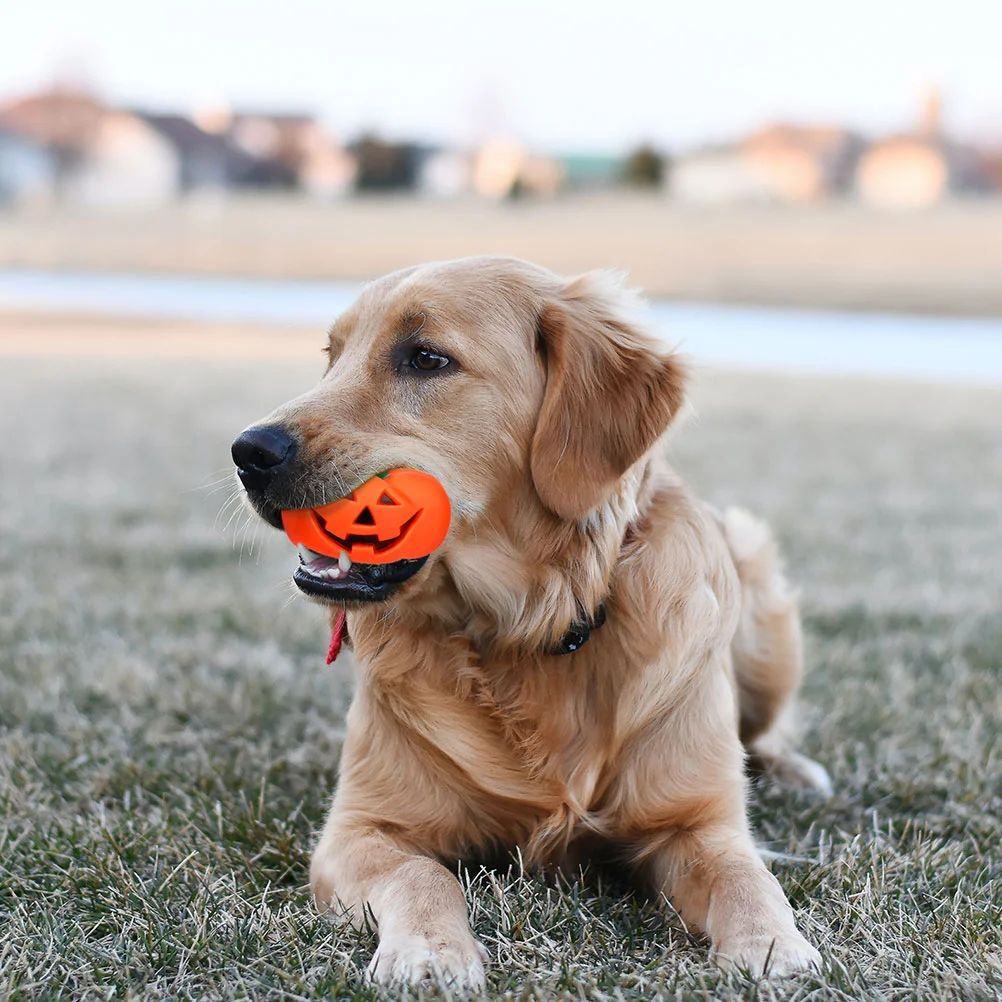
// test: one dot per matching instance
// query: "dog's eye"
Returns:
(425, 360)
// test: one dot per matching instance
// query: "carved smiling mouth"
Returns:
(343, 580)
(350, 542)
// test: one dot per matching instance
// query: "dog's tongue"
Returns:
(340, 628)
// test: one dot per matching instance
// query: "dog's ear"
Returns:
(611, 392)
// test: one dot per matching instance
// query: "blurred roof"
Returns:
(185, 135)
(278, 118)
(194, 143)
(66, 118)
(812, 138)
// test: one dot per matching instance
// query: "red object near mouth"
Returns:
(400, 515)
(339, 628)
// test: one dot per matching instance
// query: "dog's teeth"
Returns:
(344, 562)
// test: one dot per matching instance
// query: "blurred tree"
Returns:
(645, 167)
(385, 166)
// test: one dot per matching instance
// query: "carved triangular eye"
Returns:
(386, 499)
(365, 518)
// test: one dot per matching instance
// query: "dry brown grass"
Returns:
(947, 260)
(169, 734)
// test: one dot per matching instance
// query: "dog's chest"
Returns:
(559, 734)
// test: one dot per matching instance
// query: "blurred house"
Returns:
(590, 171)
(780, 163)
(917, 171)
(503, 168)
(298, 143)
(496, 168)
(446, 174)
(210, 161)
(105, 156)
(991, 165)
(542, 175)
(100, 155)
(62, 120)
(280, 137)
(125, 162)
(800, 163)
(27, 171)
(716, 176)
(140, 158)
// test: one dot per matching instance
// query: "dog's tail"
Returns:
(768, 647)
(768, 653)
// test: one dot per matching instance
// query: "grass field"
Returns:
(169, 733)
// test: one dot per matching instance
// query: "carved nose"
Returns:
(260, 452)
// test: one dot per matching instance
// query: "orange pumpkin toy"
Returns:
(400, 515)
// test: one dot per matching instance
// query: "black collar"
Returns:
(581, 629)
(577, 636)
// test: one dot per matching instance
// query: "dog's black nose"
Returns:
(260, 452)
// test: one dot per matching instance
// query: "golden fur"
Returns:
(464, 737)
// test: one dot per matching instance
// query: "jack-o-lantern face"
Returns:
(401, 515)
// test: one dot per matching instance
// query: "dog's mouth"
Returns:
(336, 580)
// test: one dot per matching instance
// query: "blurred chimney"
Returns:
(931, 122)
(215, 116)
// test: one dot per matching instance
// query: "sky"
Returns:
(560, 76)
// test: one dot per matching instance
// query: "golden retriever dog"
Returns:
(587, 660)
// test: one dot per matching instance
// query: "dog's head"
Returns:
(527, 396)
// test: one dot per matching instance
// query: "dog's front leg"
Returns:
(417, 903)
(720, 885)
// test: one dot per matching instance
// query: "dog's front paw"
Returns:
(409, 959)
(763, 955)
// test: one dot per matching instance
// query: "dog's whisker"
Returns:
(220, 476)
(241, 528)
(237, 510)
(221, 486)
(248, 535)
(223, 516)
(233, 501)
